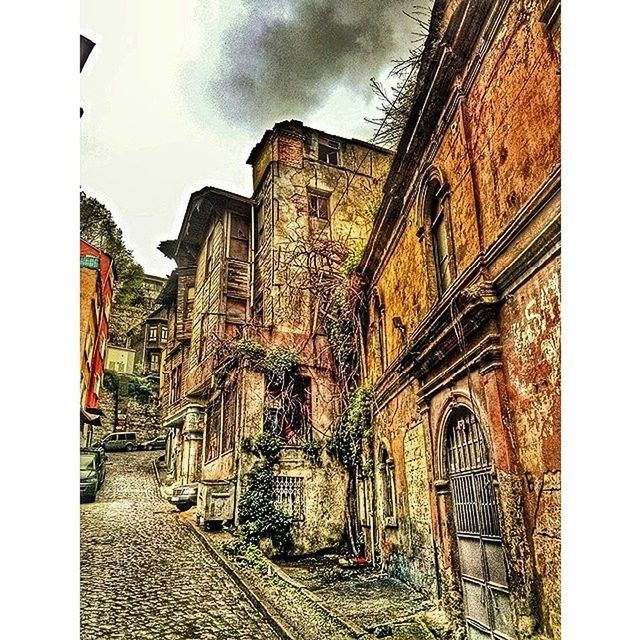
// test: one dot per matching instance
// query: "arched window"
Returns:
(435, 214)
(378, 328)
(387, 473)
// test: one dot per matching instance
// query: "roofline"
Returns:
(204, 192)
(287, 124)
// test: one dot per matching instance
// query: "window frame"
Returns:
(315, 211)
(335, 149)
(436, 216)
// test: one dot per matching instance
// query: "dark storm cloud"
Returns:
(284, 58)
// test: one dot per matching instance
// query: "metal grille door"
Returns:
(482, 561)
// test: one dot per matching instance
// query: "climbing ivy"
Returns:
(250, 348)
(352, 426)
(260, 517)
(280, 361)
(340, 330)
(312, 450)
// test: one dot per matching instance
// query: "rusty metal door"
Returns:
(482, 560)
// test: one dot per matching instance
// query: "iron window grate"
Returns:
(289, 496)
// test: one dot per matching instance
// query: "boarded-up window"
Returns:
(239, 240)
(236, 310)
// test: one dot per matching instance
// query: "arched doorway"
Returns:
(482, 561)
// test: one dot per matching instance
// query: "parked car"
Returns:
(158, 442)
(119, 441)
(184, 497)
(89, 479)
(101, 459)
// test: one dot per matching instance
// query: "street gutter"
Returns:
(279, 626)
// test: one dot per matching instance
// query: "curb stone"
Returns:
(351, 629)
(279, 626)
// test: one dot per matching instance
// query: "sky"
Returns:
(177, 92)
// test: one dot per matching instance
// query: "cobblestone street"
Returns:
(143, 575)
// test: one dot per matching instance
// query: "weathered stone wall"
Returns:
(406, 541)
(143, 418)
(530, 323)
(495, 151)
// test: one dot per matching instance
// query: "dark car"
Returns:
(158, 442)
(101, 459)
(184, 497)
(89, 477)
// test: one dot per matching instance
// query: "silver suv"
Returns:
(119, 441)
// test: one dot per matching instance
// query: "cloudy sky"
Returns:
(177, 92)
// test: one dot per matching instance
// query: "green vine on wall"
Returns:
(277, 362)
(353, 426)
(260, 516)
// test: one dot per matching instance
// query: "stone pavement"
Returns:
(142, 573)
(363, 597)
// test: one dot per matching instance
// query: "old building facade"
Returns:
(96, 292)
(148, 339)
(463, 281)
(249, 273)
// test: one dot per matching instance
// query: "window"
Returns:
(221, 425)
(239, 240)
(175, 390)
(163, 333)
(227, 437)
(212, 445)
(387, 481)
(288, 409)
(289, 496)
(443, 251)
(328, 151)
(188, 303)
(259, 225)
(318, 205)
(153, 332)
(154, 364)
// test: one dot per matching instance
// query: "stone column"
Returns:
(192, 431)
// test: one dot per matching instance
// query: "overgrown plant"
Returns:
(141, 389)
(312, 450)
(352, 427)
(279, 362)
(260, 516)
